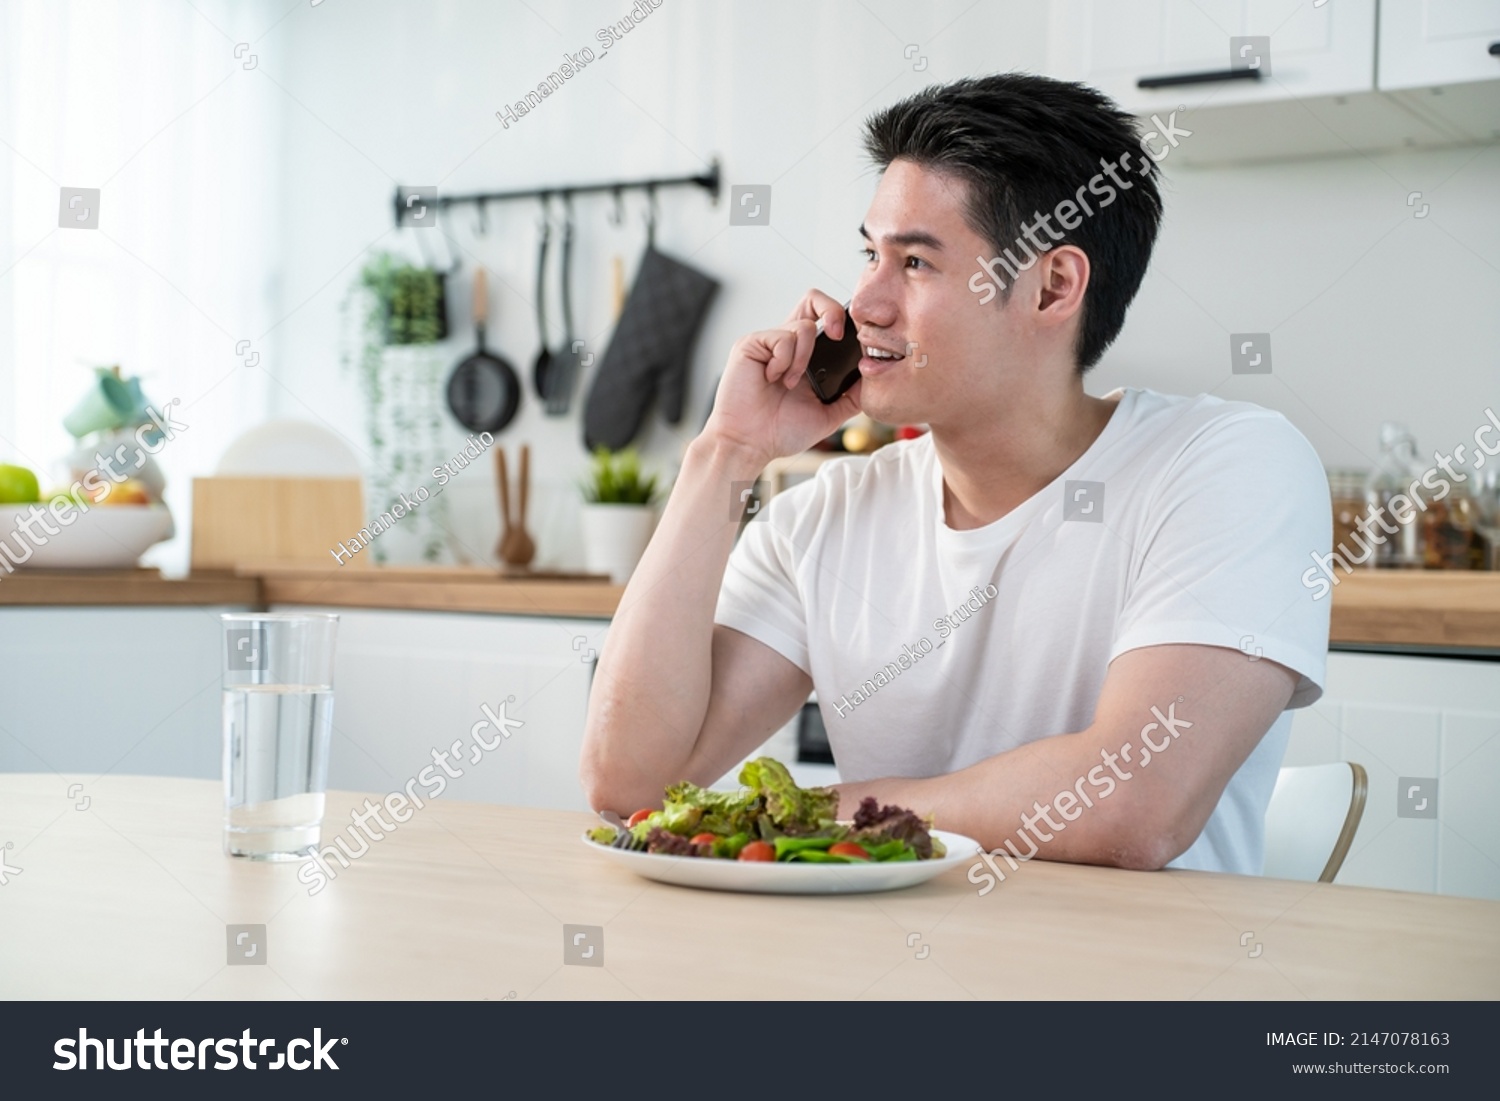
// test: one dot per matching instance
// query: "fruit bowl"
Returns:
(103, 537)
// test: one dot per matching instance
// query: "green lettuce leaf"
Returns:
(792, 809)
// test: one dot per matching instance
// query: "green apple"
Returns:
(18, 486)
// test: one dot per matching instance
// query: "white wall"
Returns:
(1373, 314)
(778, 91)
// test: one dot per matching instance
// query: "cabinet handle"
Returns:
(1211, 77)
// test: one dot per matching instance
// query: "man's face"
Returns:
(913, 298)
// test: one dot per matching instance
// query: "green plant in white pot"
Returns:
(619, 514)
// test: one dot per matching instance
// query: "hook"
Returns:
(546, 219)
(651, 216)
(481, 224)
(617, 217)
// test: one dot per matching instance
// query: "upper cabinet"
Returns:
(1154, 55)
(1264, 79)
(1441, 60)
(1427, 43)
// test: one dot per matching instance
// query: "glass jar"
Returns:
(1398, 539)
(1450, 536)
(1347, 488)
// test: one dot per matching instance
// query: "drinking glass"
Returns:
(278, 716)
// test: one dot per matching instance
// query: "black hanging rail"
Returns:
(709, 181)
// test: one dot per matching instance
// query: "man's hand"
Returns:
(674, 696)
(1155, 789)
(761, 406)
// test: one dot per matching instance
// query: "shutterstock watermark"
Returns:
(1070, 213)
(1403, 508)
(157, 1052)
(1068, 799)
(317, 872)
(66, 508)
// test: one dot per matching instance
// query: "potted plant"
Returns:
(619, 514)
(402, 316)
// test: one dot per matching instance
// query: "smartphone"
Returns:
(834, 364)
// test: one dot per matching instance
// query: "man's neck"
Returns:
(990, 468)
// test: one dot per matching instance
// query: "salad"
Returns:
(772, 819)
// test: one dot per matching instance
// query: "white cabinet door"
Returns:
(1427, 723)
(1114, 45)
(1436, 42)
(127, 691)
(408, 685)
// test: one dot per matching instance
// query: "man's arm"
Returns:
(674, 696)
(1139, 807)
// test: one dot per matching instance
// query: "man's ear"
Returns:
(1064, 277)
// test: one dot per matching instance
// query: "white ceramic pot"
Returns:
(615, 537)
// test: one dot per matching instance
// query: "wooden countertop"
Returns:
(1420, 609)
(439, 589)
(124, 587)
(130, 897)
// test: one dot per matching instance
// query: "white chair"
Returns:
(1310, 823)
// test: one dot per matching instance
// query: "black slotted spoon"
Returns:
(541, 368)
(565, 364)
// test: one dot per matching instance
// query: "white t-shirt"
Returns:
(931, 649)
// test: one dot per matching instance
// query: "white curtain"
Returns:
(147, 101)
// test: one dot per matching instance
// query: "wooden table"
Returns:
(130, 897)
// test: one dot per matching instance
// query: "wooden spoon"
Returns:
(503, 478)
(515, 547)
(523, 550)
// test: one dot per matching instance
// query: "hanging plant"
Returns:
(402, 315)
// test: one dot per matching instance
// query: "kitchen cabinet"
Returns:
(1409, 720)
(1115, 45)
(408, 684)
(1430, 42)
(136, 690)
(1330, 91)
(126, 690)
(1441, 60)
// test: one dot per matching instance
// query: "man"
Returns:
(1068, 625)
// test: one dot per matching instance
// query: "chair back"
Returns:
(1311, 820)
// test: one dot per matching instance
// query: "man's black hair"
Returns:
(1024, 144)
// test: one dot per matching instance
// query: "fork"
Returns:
(624, 839)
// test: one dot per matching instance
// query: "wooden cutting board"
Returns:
(285, 520)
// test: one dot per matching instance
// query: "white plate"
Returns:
(289, 448)
(795, 878)
(104, 537)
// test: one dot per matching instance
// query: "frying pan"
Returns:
(483, 391)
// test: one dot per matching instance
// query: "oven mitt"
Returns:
(650, 353)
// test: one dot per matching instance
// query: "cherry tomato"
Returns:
(639, 816)
(849, 848)
(704, 839)
(758, 850)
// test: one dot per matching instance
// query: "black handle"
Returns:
(1213, 77)
(541, 279)
(1495, 49)
(567, 276)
